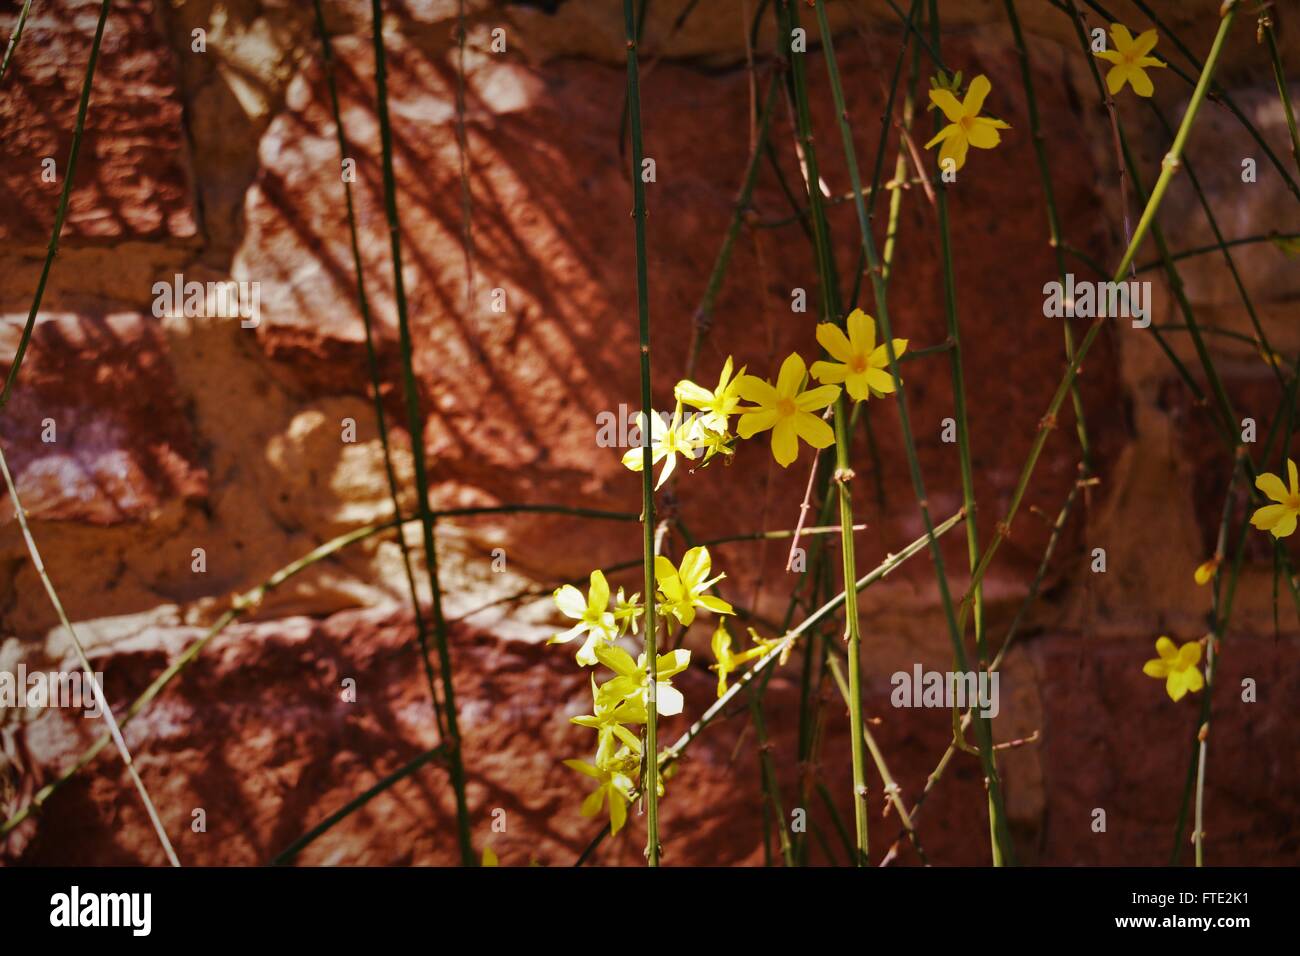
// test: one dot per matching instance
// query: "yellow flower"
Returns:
(627, 612)
(683, 587)
(666, 443)
(632, 680)
(718, 404)
(590, 613)
(1131, 60)
(1177, 666)
(615, 773)
(861, 365)
(727, 662)
(966, 127)
(787, 410)
(1204, 573)
(609, 717)
(489, 857)
(703, 434)
(1278, 519)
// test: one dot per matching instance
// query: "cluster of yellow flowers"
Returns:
(621, 700)
(785, 408)
(1130, 59)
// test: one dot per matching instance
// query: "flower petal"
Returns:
(754, 389)
(1166, 649)
(1115, 78)
(974, 101)
(1285, 526)
(832, 338)
(751, 423)
(1272, 486)
(695, 566)
(692, 394)
(813, 430)
(674, 662)
(1156, 668)
(1140, 82)
(1267, 517)
(943, 134)
(670, 701)
(570, 602)
(983, 134)
(715, 604)
(880, 380)
(617, 812)
(598, 596)
(856, 386)
(583, 767)
(1189, 655)
(785, 443)
(948, 103)
(955, 148)
(828, 373)
(669, 465)
(617, 660)
(1145, 42)
(817, 398)
(565, 636)
(790, 377)
(1176, 685)
(634, 459)
(862, 331)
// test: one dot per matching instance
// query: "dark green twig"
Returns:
(69, 174)
(415, 423)
(289, 853)
(15, 37)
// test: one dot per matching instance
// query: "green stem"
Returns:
(892, 791)
(651, 766)
(1168, 167)
(249, 601)
(15, 37)
(1053, 219)
(415, 423)
(69, 174)
(372, 364)
(1266, 23)
(1218, 95)
(289, 853)
(1272, 237)
(670, 755)
(843, 467)
(87, 671)
(937, 774)
(963, 427)
(1001, 835)
(770, 788)
(242, 605)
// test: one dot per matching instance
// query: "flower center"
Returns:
(966, 122)
(858, 363)
(786, 407)
(1292, 502)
